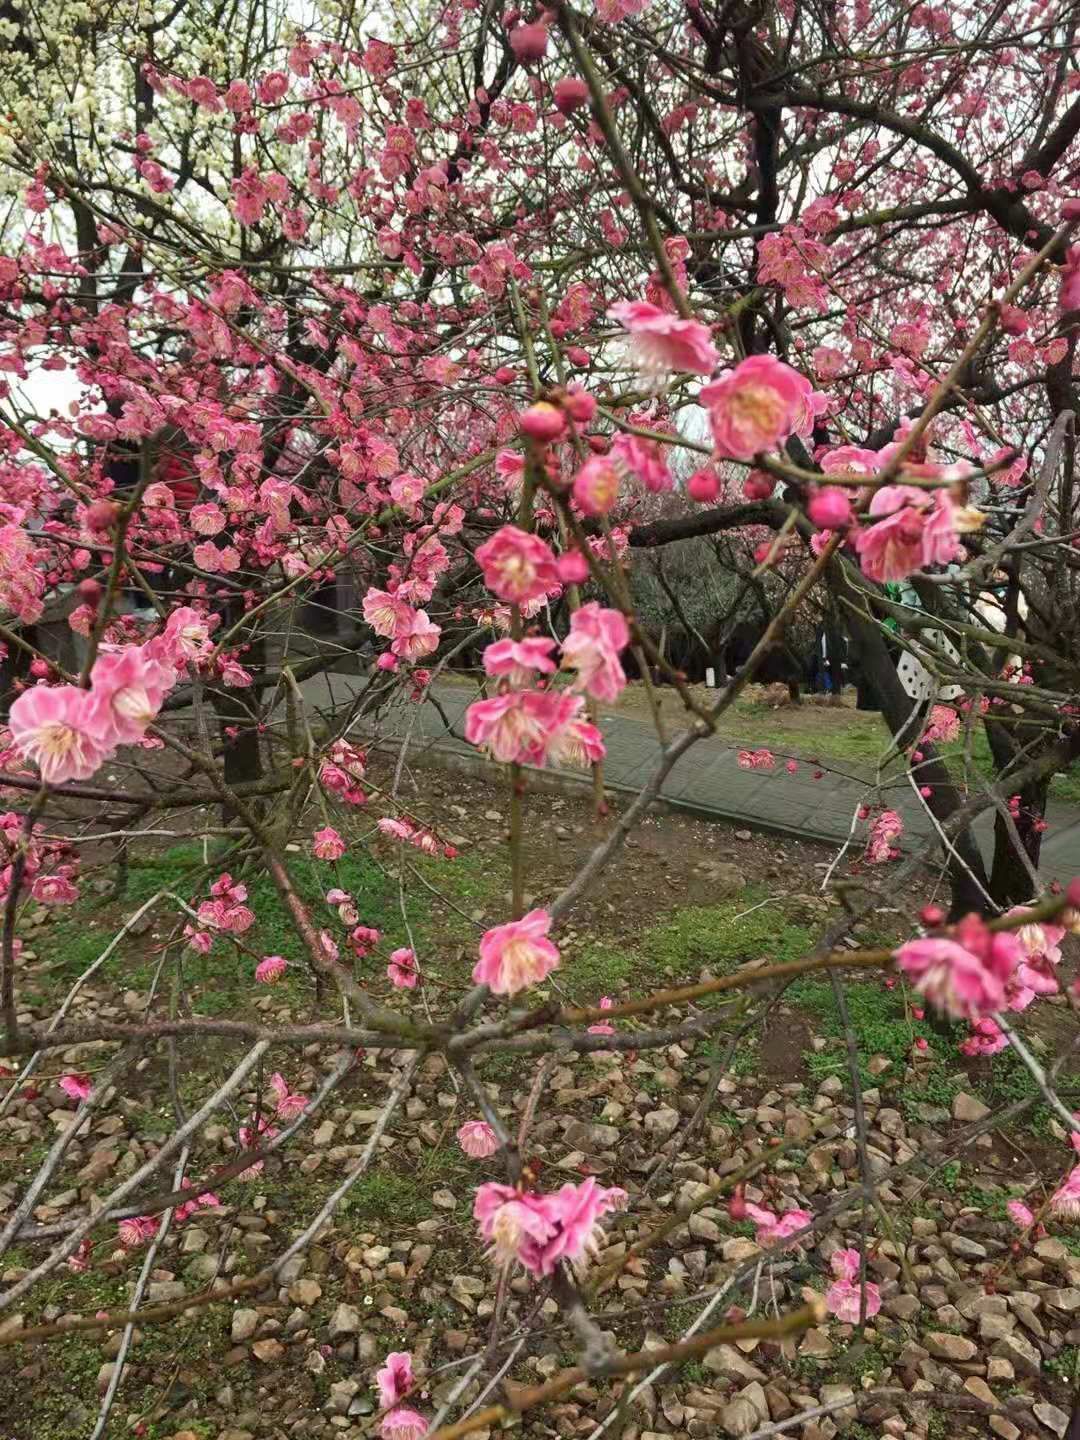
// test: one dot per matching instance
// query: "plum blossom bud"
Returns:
(569, 94)
(102, 514)
(580, 406)
(386, 661)
(703, 486)
(573, 568)
(829, 508)
(758, 486)
(529, 42)
(543, 421)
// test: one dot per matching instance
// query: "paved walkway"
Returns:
(708, 782)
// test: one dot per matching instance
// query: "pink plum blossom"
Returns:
(661, 341)
(844, 1296)
(388, 615)
(401, 971)
(270, 969)
(1065, 1201)
(533, 727)
(289, 1103)
(1019, 1214)
(401, 1423)
(126, 691)
(54, 890)
(772, 1228)
(77, 1087)
(477, 1139)
(518, 567)
(966, 976)
(395, 1379)
(50, 725)
(596, 486)
(327, 844)
(518, 661)
(516, 955)
(540, 1230)
(754, 407)
(137, 1230)
(908, 529)
(592, 649)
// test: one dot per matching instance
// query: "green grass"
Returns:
(218, 981)
(860, 741)
(722, 937)
(384, 1195)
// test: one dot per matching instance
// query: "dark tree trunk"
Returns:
(1010, 882)
(242, 755)
(964, 862)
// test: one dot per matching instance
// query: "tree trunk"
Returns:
(964, 862)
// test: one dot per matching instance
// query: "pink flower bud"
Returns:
(570, 94)
(931, 915)
(829, 508)
(529, 42)
(102, 514)
(505, 375)
(542, 421)
(573, 568)
(580, 406)
(703, 486)
(757, 486)
(386, 661)
(1014, 321)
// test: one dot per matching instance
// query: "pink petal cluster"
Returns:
(137, 1230)
(69, 732)
(289, 1103)
(270, 969)
(662, 341)
(534, 727)
(592, 649)
(602, 1027)
(944, 725)
(206, 1200)
(327, 844)
(1069, 295)
(516, 955)
(843, 1297)
(477, 1139)
(76, 1087)
(1065, 1201)
(395, 1381)
(538, 1231)
(519, 661)
(755, 407)
(363, 939)
(401, 971)
(49, 726)
(403, 1424)
(908, 530)
(966, 977)
(884, 833)
(596, 486)
(756, 760)
(986, 1038)
(1019, 1214)
(772, 1228)
(518, 567)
